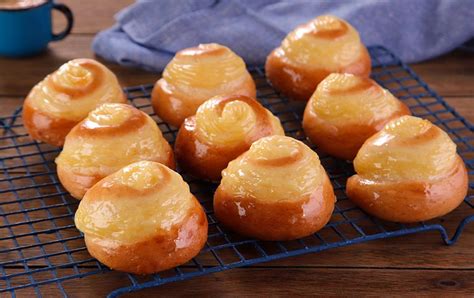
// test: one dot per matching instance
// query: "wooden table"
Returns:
(418, 264)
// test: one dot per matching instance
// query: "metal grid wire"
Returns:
(39, 244)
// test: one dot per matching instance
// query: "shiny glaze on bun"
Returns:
(142, 219)
(277, 190)
(345, 110)
(194, 76)
(111, 137)
(311, 52)
(408, 172)
(65, 97)
(223, 128)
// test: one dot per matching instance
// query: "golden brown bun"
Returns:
(223, 128)
(345, 110)
(195, 75)
(311, 52)
(142, 219)
(111, 137)
(408, 172)
(65, 97)
(277, 190)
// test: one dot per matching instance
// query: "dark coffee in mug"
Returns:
(20, 4)
(26, 26)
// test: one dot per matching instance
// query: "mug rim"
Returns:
(25, 8)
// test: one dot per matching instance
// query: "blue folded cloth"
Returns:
(149, 33)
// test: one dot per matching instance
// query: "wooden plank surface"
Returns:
(412, 265)
(90, 16)
(288, 282)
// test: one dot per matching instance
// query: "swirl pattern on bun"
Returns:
(195, 75)
(111, 137)
(311, 52)
(65, 97)
(223, 128)
(258, 198)
(408, 172)
(142, 219)
(345, 110)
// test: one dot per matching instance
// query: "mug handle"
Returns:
(70, 21)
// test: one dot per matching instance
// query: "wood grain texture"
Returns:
(285, 282)
(450, 74)
(411, 265)
(90, 16)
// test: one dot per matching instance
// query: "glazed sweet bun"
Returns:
(223, 128)
(311, 52)
(142, 219)
(111, 137)
(277, 190)
(408, 172)
(65, 97)
(196, 74)
(345, 110)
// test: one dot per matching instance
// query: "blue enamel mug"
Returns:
(26, 31)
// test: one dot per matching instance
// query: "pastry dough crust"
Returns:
(277, 190)
(311, 52)
(194, 76)
(111, 137)
(223, 128)
(408, 172)
(65, 97)
(345, 110)
(142, 219)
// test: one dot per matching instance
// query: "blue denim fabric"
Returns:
(148, 33)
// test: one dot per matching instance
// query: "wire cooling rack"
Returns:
(42, 251)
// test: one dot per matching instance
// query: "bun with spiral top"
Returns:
(223, 128)
(277, 190)
(195, 75)
(408, 172)
(65, 97)
(111, 137)
(142, 219)
(345, 110)
(311, 52)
